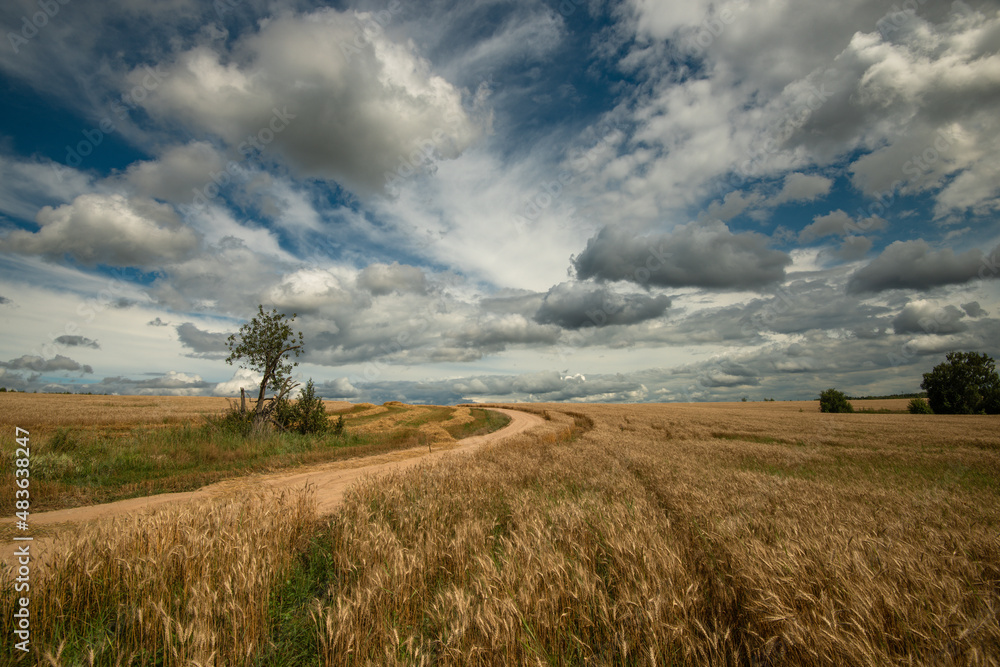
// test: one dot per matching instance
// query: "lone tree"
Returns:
(966, 384)
(263, 345)
(832, 400)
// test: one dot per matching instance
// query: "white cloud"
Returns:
(243, 378)
(107, 229)
(838, 223)
(25, 186)
(177, 173)
(802, 187)
(301, 88)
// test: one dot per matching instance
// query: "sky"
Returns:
(476, 200)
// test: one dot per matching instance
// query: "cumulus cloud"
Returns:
(203, 343)
(974, 310)
(853, 248)
(77, 341)
(921, 95)
(172, 383)
(924, 317)
(380, 279)
(553, 386)
(106, 229)
(177, 173)
(339, 388)
(732, 205)
(309, 290)
(299, 87)
(838, 223)
(243, 378)
(575, 305)
(699, 254)
(802, 187)
(42, 365)
(491, 333)
(914, 265)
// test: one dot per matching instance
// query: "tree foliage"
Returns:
(918, 406)
(967, 383)
(832, 400)
(263, 345)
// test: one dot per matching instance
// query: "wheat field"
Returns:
(722, 534)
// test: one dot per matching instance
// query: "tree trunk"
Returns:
(243, 400)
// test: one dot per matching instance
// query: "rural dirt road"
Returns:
(330, 480)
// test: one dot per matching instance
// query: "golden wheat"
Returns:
(737, 534)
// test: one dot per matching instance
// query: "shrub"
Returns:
(306, 415)
(966, 384)
(832, 400)
(236, 421)
(919, 406)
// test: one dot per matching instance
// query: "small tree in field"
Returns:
(832, 400)
(263, 345)
(918, 406)
(966, 384)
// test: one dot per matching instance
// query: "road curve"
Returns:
(330, 480)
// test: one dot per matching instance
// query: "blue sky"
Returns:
(521, 200)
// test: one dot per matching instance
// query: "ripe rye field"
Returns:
(678, 534)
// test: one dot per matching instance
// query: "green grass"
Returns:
(389, 410)
(293, 631)
(83, 467)
(484, 421)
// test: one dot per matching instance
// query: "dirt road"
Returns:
(330, 480)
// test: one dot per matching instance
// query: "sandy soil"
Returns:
(330, 480)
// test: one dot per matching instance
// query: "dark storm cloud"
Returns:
(914, 265)
(172, 383)
(973, 309)
(77, 341)
(576, 305)
(699, 254)
(203, 343)
(42, 365)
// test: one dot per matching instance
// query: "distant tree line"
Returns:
(966, 384)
